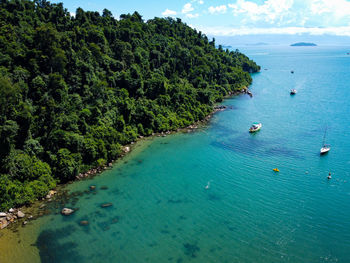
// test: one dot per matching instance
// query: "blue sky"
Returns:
(238, 17)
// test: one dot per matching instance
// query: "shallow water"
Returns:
(162, 210)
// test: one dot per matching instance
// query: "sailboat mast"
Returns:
(324, 136)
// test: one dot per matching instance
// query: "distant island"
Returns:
(303, 44)
(258, 44)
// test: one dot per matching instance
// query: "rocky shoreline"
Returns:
(11, 216)
(15, 215)
(18, 217)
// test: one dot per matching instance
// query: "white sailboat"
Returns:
(326, 147)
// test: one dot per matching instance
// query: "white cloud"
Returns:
(230, 31)
(338, 8)
(169, 12)
(310, 13)
(315, 17)
(198, 1)
(72, 14)
(270, 11)
(192, 15)
(217, 9)
(187, 8)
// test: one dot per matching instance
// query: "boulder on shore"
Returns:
(50, 194)
(20, 214)
(2, 214)
(3, 223)
(67, 211)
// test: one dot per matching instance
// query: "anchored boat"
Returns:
(326, 147)
(293, 91)
(255, 127)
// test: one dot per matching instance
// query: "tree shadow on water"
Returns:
(53, 249)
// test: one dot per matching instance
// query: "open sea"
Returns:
(212, 195)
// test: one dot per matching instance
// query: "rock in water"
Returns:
(106, 205)
(2, 214)
(92, 187)
(20, 214)
(84, 223)
(67, 211)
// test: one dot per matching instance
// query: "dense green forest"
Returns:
(74, 89)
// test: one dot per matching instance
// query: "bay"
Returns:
(211, 195)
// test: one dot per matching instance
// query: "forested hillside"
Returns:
(74, 89)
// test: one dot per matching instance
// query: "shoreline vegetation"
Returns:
(38, 208)
(75, 92)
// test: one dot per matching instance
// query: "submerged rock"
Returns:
(84, 223)
(67, 211)
(106, 205)
(92, 187)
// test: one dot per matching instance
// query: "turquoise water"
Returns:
(162, 211)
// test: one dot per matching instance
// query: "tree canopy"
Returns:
(73, 89)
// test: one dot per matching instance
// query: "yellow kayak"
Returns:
(276, 170)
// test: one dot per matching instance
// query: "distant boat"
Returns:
(292, 71)
(255, 127)
(208, 185)
(326, 147)
(276, 169)
(293, 91)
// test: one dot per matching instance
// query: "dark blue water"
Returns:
(162, 211)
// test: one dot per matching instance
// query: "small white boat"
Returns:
(255, 127)
(208, 185)
(293, 91)
(326, 147)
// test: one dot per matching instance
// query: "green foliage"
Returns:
(74, 89)
(66, 164)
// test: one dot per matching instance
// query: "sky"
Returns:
(237, 17)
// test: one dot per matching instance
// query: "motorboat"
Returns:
(255, 127)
